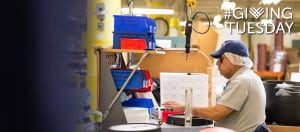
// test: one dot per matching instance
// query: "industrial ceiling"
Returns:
(213, 8)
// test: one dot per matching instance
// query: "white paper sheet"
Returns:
(173, 85)
(295, 76)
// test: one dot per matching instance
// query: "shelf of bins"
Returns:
(105, 87)
(157, 51)
(107, 50)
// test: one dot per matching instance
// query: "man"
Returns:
(242, 105)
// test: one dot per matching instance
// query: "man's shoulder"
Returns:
(247, 76)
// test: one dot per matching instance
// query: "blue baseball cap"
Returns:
(232, 46)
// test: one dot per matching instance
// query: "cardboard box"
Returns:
(292, 55)
(291, 68)
(278, 128)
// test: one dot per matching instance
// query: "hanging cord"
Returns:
(131, 6)
(130, 2)
(189, 28)
(200, 12)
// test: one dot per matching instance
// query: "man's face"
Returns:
(225, 67)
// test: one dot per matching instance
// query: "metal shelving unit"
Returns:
(107, 95)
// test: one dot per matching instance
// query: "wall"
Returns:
(288, 39)
(269, 39)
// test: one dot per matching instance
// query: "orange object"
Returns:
(278, 75)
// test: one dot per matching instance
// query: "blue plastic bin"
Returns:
(137, 81)
(137, 24)
(140, 102)
(152, 44)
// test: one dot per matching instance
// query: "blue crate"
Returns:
(137, 81)
(137, 24)
(153, 25)
(152, 42)
(140, 102)
(149, 37)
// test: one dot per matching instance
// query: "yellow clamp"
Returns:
(191, 3)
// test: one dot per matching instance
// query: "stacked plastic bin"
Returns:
(141, 81)
(134, 32)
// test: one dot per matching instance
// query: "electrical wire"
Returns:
(200, 12)
(130, 2)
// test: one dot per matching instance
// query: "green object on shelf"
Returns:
(97, 116)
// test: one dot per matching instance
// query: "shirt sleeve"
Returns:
(235, 95)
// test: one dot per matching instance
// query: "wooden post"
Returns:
(209, 73)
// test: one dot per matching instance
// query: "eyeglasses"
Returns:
(221, 59)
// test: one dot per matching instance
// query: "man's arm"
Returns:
(216, 113)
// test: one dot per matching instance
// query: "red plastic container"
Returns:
(165, 114)
(130, 43)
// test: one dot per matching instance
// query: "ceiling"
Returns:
(212, 8)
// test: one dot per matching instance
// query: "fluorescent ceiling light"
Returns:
(182, 23)
(148, 11)
(217, 20)
(205, 23)
(226, 5)
(268, 2)
(266, 21)
(276, 1)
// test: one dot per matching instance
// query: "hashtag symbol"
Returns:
(227, 14)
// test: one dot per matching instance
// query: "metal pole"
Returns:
(131, 3)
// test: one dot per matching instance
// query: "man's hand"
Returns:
(174, 106)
